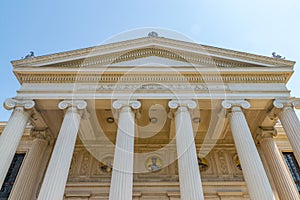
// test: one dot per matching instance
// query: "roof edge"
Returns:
(194, 46)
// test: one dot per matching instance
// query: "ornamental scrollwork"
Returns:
(12, 103)
(191, 104)
(227, 104)
(292, 102)
(79, 104)
(134, 104)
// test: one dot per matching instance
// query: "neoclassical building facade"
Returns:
(151, 118)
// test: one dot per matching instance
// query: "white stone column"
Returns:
(290, 122)
(56, 176)
(26, 184)
(189, 174)
(122, 174)
(253, 170)
(283, 181)
(12, 133)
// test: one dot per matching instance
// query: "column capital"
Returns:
(43, 135)
(13, 103)
(79, 104)
(284, 103)
(134, 104)
(175, 103)
(296, 103)
(265, 133)
(231, 103)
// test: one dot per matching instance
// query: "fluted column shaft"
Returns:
(284, 183)
(55, 179)
(12, 133)
(253, 170)
(122, 174)
(189, 174)
(26, 184)
(290, 123)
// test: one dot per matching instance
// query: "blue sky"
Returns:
(46, 27)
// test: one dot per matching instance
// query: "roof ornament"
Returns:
(277, 56)
(30, 55)
(152, 34)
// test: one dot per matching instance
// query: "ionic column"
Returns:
(12, 133)
(122, 174)
(26, 184)
(290, 122)
(55, 179)
(189, 174)
(283, 181)
(253, 170)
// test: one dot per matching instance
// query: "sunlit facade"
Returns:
(151, 118)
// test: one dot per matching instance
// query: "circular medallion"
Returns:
(154, 164)
(106, 165)
(203, 164)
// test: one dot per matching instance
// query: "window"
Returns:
(293, 167)
(11, 176)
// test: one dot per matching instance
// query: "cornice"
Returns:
(149, 42)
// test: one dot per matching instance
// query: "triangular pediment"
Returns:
(155, 50)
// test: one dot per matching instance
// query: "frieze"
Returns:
(149, 87)
(156, 87)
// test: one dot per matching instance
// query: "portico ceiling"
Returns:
(154, 121)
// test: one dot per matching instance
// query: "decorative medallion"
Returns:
(203, 164)
(106, 165)
(154, 164)
(237, 162)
